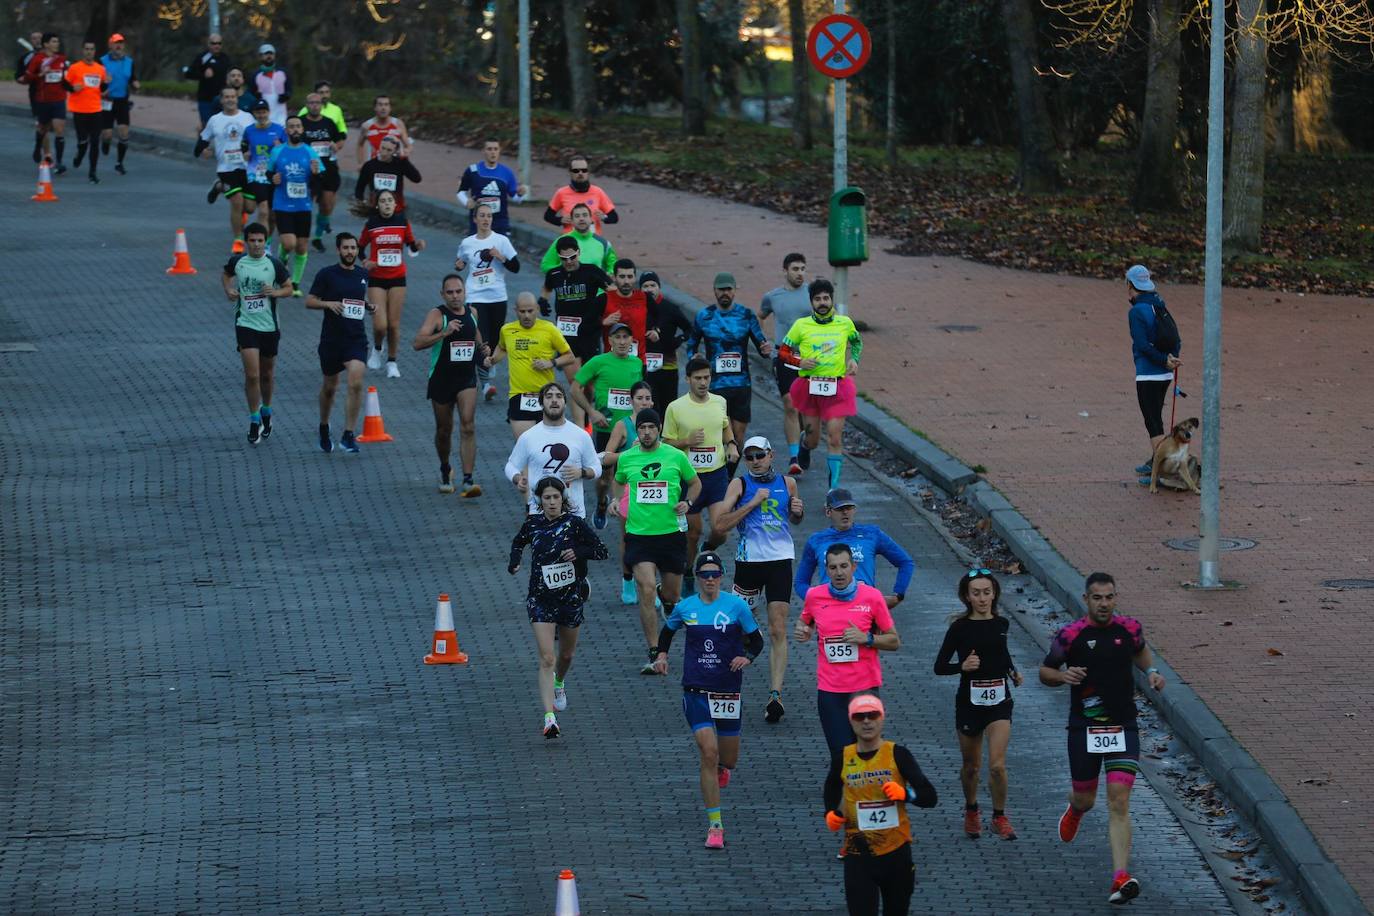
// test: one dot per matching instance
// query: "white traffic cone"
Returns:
(566, 902)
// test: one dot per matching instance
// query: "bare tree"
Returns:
(1038, 171)
(1244, 207)
(1156, 180)
(693, 77)
(581, 78)
(801, 76)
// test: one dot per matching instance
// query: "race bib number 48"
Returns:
(1106, 739)
(838, 652)
(987, 693)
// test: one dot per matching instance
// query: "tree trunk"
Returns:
(890, 146)
(1038, 170)
(801, 76)
(1244, 207)
(1156, 179)
(1280, 119)
(1314, 121)
(580, 76)
(693, 77)
(507, 63)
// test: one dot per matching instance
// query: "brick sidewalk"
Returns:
(1011, 395)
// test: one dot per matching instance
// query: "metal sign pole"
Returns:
(1210, 522)
(523, 162)
(214, 17)
(841, 174)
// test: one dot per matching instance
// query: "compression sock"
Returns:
(80, 154)
(834, 462)
(322, 225)
(265, 410)
(255, 417)
(298, 268)
(998, 812)
(972, 807)
(467, 478)
(557, 682)
(793, 449)
(121, 148)
(60, 146)
(713, 818)
(95, 156)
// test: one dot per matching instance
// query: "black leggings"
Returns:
(663, 386)
(88, 128)
(889, 878)
(1151, 397)
(490, 317)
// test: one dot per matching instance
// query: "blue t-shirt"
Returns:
(293, 164)
(726, 332)
(260, 141)
(121, 73)
(492, 186)
(765, 534)
(335, 284)
(715, 636)
(867, 542)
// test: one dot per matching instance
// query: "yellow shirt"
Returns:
(685, 416)
(863, 786)
(523, 346)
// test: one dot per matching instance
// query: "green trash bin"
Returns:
(848, 227)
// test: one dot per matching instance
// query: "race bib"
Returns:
(52, 76)
(634, 348)
(838, 652)
(460, 351)
(384, 182)
(821, 386)
(558, 575)
(651, 493)
(723, 705)
(702, 457)
(91, 80)
(988, 693)
(877, 815)
(233, 157)
(750, 595)
(254, 303)
(1106, 739)
(323, 148)
(354, 308)
(619, 399)
(728, 362)
(653, 362)
(106, 105)
(568, 325)
(493, 202)
(260, 172)
(389, 257)
(482, 276)
(529, 403)
(297, 189)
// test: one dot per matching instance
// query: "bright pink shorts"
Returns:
(840, 404)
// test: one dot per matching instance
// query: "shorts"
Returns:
(696, 706)
(335, 355)
(828, 407)
(785, 375)
(666, 551)
(207, 108)
(584, 349)
(259, 191)
(773, 576)
(739, 402)
(1085, 767)
(45, 112)
(234, 182)
(970, 720)
(328, 179)
(293, 222)
(386, 282)
(513, 411)
(265, 342)
(600, 439)
(118, 113)
(713, 486)
(663, 383)
(443, 389)
(544, 609)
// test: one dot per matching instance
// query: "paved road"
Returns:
(214, 697)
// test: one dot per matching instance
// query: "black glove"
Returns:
(545, 310)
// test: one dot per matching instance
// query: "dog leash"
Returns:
(1173, 407)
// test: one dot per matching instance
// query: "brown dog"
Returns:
(1171, 456)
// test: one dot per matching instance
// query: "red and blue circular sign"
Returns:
(839, 46)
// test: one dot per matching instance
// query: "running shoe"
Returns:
(973, 823)
(215, 190)
(298, 293)
(1124, 889)
(722, 776)
(254, 433)
(1143, 469)
(1001, 825)
(1068, 824)
(599, 517)
(60, 170)
(392, 370)
(266, 426)
(375, 360)
(104, 148)
(80, 156)
(794, 469)
(94, 179)
(470, 490)
(326, 443)
(119, 167)
(550, 726)
(715, 838)
(560, 698)
(446, 481)
(1143, 481)
(489, 392)
(804, 458)
(773, 711)
(349, 442)
(628, 594)
(317, 244)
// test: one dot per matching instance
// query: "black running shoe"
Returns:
(254, 433)
(326, 443)
(94, 180)
(772, 713)
(119, 167)
(317, 244)
(266, 426)
(60, 170)
(215, 190)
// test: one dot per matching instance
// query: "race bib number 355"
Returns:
(838, 652)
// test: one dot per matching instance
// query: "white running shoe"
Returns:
(375, 360)
(560, 698)
(392, 370)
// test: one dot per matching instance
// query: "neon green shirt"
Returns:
(825, 343)
(657, 479)
(611, 377)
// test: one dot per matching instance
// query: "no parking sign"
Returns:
(839, 46)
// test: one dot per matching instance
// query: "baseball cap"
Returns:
(709, 558)
(260, 105)
(758, 442)
(619, 326)
(1139, 277)
(866, 702)
(839, 498)
(724, 280)
(648, 415)
(266, 49)
(116, 37)
(647, 276)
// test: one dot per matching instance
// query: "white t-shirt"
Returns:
(485, 280)
(225, 133)
(542, 450)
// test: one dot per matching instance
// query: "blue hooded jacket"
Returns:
(1149, 360)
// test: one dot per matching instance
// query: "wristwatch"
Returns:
(870, 639)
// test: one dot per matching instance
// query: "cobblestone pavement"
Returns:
(215, 700)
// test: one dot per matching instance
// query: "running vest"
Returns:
(765, 533)
(865, 805)
(442, 354)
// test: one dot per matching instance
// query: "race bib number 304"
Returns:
(1106, 739)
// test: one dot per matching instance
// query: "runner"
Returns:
(592, 249)
(726, 330)
(379, 127)
(580, 190)
(626, 304)
(235, 80)
(487, 257)
(826, 348)
(387, 233)
(28, 49)
(786, 304)
(852, 625)
(254, 281)
(867, 791)
(262, 137)
(489, 181)
(697, 424)
(610, 376)
(340, 291)
(388, 172)
(291, 169)
(579, 292)
(669, 329)
(764, 506)
(326, 138)
(722, 638)
(983, 703)
(560, 545)
(865, 542)
(224, 131)
(456, 347)
(662, 487)
(271, 84)
(325, 90)
(622, 437)
(115, 109)
(1097, 653)
(209, 70)
(535, 348)
(553, 447)
(46, 72)
(86, 82)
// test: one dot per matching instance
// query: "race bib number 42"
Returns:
(723, 705)
(529, 403)
(838, 652)
(1106, 739)
(877, 815)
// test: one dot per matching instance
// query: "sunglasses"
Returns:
(568, 257)
(755, 456)
(975, 573)
(866, 716)
(709, 574)
(579, 171)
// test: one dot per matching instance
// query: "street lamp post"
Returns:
(523, 161)
(1210, 522)
(841, 168)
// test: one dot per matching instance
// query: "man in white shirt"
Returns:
(553, 447)
(485, 257)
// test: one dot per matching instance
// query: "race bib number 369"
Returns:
(987, 692)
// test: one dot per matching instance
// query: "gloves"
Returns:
(893, 791)
(545, 310)
(835, 821)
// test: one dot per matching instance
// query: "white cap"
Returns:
(267, 49)
(758, 442)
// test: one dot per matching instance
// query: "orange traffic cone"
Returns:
(565, 904)
(45, 193)
(181, 256)
(373, 428)
(445, 642)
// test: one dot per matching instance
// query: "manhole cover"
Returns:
(957, 328)
(1348, 583)
(1225, 543)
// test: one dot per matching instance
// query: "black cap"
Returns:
(619, 326)
(260, 103)
(708, 558)
(839, 498)
(648, 415)
(649, 275)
